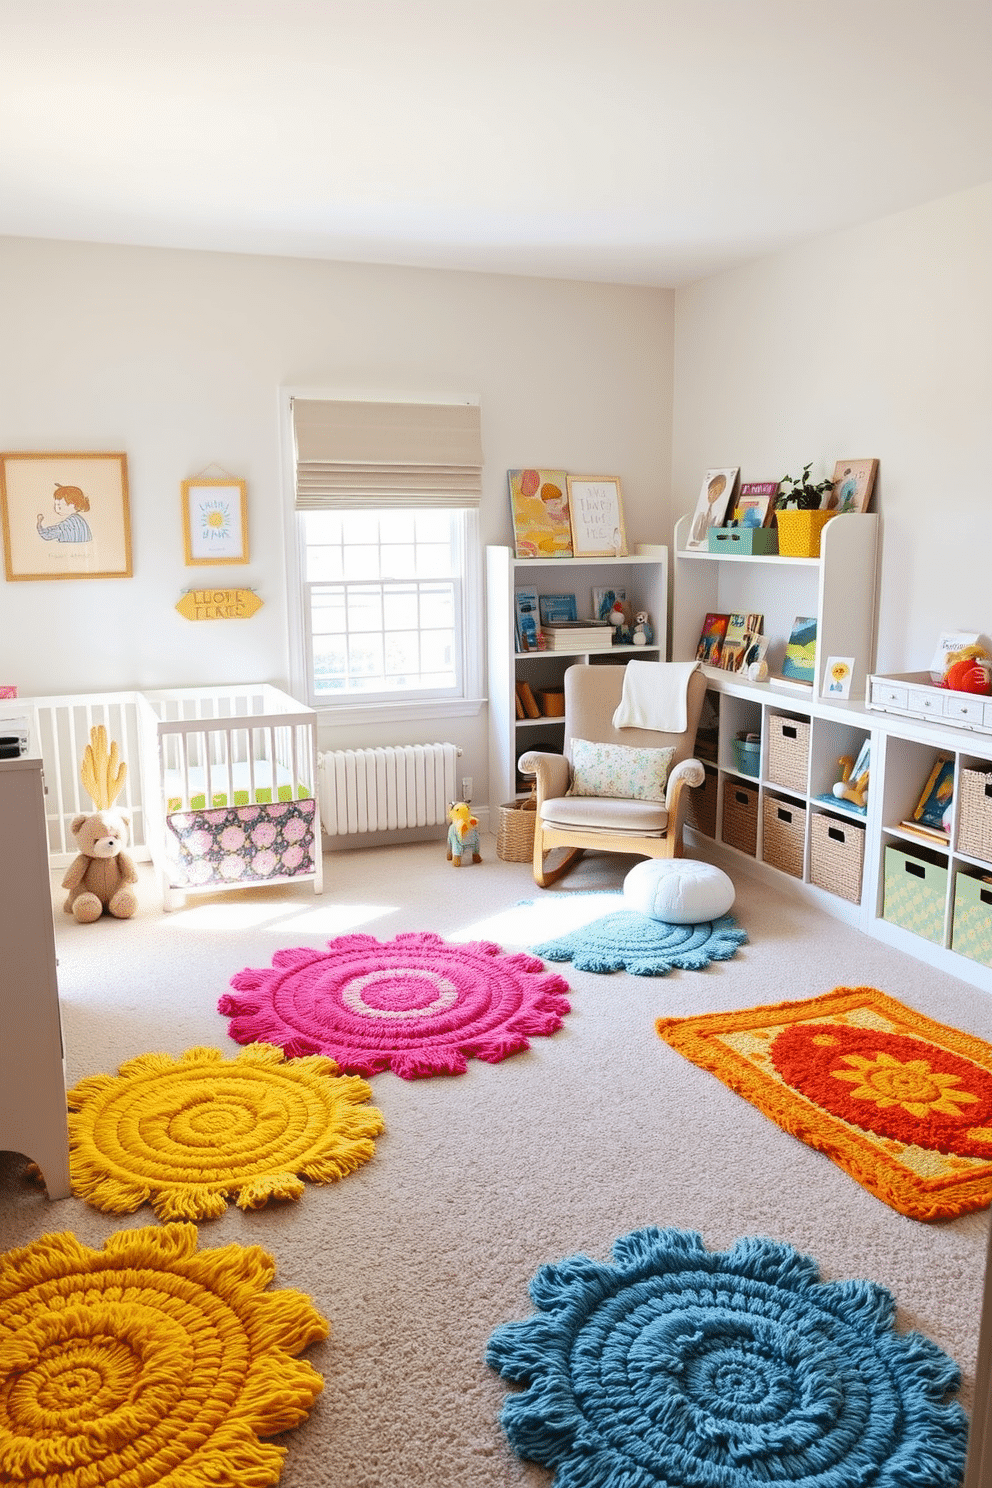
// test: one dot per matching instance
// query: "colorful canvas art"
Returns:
(539, 504)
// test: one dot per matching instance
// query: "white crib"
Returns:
(221, 784)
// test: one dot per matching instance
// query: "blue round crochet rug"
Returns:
(676, 1367)
(627, 940)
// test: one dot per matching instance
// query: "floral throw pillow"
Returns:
(619, 770)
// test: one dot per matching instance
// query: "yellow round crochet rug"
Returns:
(149, 1362)
(182, 1134)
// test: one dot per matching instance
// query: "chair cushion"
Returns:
(619, 771)
(604, 814)
(680, 891)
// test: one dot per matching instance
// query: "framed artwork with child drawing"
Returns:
(65, 516)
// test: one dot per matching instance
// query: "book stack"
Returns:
(578, 635)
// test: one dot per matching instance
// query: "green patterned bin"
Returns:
(972, 935)
(915, 893)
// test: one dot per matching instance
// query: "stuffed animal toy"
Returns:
(98, 879)
(463, 834)
(846, 789)
(643, 629)
(968, 670)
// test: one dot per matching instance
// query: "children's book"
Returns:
(799, 662)
(556, 608)
(526, 613)
(732, 642)
(711, 639)
(937, 794)
(755, 504)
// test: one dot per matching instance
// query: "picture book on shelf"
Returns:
(714, 501)
(525, 614)
(933, 807)
(555, 608)
(711, 639)
(755, 505)
(741, 633)
(799, 662)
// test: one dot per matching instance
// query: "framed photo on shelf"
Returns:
(603, 601)
(837, 675)
(596, 510)
(539, 507)
(714, 502)
(854, 481)
(65, 516)
(215, 521)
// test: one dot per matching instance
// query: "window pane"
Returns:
(385, 603)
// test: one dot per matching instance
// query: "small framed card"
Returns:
(837, 675)
(854, 481)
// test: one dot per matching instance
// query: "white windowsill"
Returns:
(416, 710)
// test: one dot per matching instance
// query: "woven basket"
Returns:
(836, 856)
(975, 814)
(799, 532)
(515, 838)
(784, 835)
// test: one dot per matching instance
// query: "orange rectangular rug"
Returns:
(900, 1102)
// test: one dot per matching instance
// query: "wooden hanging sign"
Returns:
(219, 604)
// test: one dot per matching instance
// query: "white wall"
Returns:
(177, 358)
(872, 342)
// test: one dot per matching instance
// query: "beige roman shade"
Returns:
(386, 454)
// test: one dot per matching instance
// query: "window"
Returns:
(384, 603)
(386, 498)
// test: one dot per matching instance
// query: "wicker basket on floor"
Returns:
(515, 838)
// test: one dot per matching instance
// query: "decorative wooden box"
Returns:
(915, 695)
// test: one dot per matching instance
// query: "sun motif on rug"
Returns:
(902, 1103)
(182, 1134)
(149, 1362)
(415, 1005)
(627, 940)
(680, 1366)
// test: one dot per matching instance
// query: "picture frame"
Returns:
(838, 672)
(715, 499)
(595, 508)
(539, 507)
(755, 504)
(854, 482)
(84, 533)
(215, 521)
(603, 599)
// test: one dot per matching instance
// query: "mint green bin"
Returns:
(972, 933)
(915, 893)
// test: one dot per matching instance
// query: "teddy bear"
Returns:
(463, 834)
(98, 878)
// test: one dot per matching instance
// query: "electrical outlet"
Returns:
(466, 787)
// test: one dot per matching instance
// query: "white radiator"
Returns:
(382, 790)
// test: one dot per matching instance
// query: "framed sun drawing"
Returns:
(215, 521)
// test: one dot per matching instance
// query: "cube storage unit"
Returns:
(971, 935)
(915, 891)
(783, 835)
(740, 816)
(701, 811)
(975, 813)
(788, 752)
(837, 855)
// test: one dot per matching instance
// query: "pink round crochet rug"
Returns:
(416, 1005)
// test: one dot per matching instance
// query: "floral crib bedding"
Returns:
(231, 845)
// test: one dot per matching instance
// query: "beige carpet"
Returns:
(480, 1178)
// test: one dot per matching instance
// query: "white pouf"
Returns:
(680, 891)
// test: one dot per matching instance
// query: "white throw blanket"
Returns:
(654, 696)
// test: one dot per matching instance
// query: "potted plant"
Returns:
(804, 494)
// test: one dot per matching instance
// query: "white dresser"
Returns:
(32, 1072)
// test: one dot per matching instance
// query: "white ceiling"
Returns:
(636, 141)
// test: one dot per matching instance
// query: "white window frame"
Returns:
(356, 710)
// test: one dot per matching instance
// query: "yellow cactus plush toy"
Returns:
(100, 877)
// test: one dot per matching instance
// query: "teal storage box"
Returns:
(972, 932)
(915, 893)
(744, 542)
